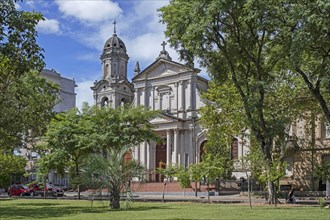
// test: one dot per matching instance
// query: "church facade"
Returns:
(170, 87)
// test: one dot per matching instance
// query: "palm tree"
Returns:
(111, 171)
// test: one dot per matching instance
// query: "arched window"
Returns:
(234, 149)
(123, 101)
(104, 101)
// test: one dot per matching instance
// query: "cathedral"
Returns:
(171, 87)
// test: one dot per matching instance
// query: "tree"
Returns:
(212, 168)
(26, 100)
(111, 171)
(237, 41)
(116, 128)
(168, 173)
(68, 140)
(323, 172)
(47, 163)
(26, 106)
(183, 176)
(75, 135)
(305, 29)
(10, 166)
(196, 174)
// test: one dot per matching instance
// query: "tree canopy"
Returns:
(72, 137)
(26, 99)
(241, 45)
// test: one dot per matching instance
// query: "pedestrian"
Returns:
(291, 198)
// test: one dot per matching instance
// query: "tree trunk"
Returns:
(249, 191)
(163, 197)
(44, 183)
(115, 199)
(77, 173)
(270, 185)
(275, 195)
(195, 188)
(78, 188)
(208, 192)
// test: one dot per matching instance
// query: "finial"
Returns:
(164, 54)
(114, 26)
(137, 68)
(163, 44)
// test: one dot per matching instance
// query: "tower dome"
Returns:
(114, 42)
(114, 59)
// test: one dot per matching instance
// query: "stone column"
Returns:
(137, 97)
(168, 147)
(176, 101)
(148, 147)
(175, 146)
(181, 97)
(152, 98)
(191, 147)
(143, 94)
(160, 99)
(189, 91)
(182, 148)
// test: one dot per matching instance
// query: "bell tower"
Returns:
(114, 58)
(114, 89)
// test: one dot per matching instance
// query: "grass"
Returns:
(84, 210)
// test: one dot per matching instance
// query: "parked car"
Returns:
(18, 190)
(64, 187)
(36, 190)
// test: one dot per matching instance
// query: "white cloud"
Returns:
(84, 93)
(89, 11)
(147, 11)
(49, 26)
(88, 57)
(30, 4)
(146, 47)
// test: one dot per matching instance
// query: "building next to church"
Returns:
(171, 87)
(67, 101)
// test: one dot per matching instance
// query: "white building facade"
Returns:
(171, 87)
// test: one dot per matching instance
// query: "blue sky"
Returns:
(74, 32)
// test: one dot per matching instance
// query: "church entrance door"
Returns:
(160, 160)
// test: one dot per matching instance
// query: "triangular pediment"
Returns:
(162, 68)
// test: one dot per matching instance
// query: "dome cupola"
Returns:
(114, 42)
(114, 59)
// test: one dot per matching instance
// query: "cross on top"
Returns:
(163, 44)
(114, 26)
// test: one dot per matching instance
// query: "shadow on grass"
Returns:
(45, 210)
(45, 204)
(146, 208)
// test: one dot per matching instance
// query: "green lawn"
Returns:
(83, 210)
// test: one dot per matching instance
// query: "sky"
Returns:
(74, 32)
